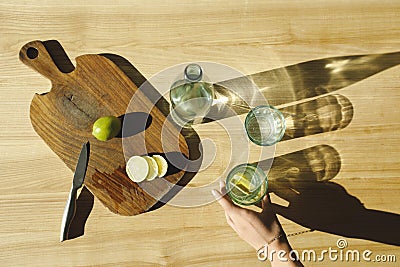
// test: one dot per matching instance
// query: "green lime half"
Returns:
(106, 128)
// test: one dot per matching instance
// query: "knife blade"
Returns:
(77, 182)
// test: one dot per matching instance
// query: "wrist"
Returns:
(280, 244)
(275, 233)
(274, 245)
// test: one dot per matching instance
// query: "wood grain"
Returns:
(251, 36)
(63, 118)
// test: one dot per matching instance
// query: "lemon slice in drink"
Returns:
(153, 168)
(240, 183)
(162, 165)
(137, 169)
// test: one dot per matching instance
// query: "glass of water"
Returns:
(246, 184)
(265, 125)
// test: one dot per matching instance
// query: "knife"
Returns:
(79, 177)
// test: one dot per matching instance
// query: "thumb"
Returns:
(266, 206)
(266, 201)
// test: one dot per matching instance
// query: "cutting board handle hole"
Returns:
(32, 53)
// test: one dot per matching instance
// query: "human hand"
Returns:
(256, 228)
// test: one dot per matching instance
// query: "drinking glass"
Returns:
(246, 184)
(265, 125)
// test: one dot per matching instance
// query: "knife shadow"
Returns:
(84, 206)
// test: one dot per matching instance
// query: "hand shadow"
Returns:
(327, 207)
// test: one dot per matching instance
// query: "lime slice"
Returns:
(137, 169)
(153, 168)
(162, 165)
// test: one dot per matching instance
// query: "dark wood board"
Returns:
(63, 118)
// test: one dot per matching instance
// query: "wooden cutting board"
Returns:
(97, 87)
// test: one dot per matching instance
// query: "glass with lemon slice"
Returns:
(246, 184)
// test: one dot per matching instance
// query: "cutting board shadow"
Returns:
(104, 85)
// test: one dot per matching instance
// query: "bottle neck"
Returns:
(193, 73)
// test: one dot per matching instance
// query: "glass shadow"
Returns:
(324, 114)
(304, 179)
(315, 164)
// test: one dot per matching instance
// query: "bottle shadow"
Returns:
(306, 79)
(304, 179)
(191, 137)
(140, 81)
(59, 56)
(300, 82)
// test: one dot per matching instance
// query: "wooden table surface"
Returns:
(251, 36)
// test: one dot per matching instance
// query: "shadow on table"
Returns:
(300, 82)
(84, 205)
(191, 137)
(328, 207)
(134, 123)
(317, 163)
(137, 122)
(304, 80)
(303, 178)
(324, 114)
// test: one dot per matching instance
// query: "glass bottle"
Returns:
(191, 97)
